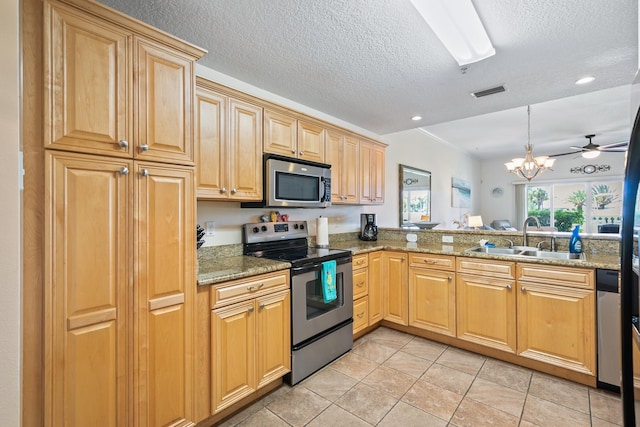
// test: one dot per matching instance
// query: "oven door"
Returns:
(310, 315)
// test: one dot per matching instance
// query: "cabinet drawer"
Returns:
(242, 289)
(491, 267)
(360, 314)
(360, 283)
(438, 262)
(360, 261)
(556, 275)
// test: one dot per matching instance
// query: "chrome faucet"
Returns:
(524, 229)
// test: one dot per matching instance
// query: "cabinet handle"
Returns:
(144, 147)
(250, 309)
(251, 288)
(360, 314)
(144, 172)
(234, 191)
(123, 143)
(523, 289)
(223, 190)
(124, 170)
(360, 284)
(431, 261)
(508, 287)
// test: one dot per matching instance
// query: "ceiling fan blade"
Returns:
(615, 145)
(614, 150)
(577, 148)
(565, 154)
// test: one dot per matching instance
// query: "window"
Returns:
(595, 205)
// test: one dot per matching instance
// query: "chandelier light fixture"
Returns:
(529, 167)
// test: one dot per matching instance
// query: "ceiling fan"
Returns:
(591, 150)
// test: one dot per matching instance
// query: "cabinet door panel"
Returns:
(311, 142)
(210, 144)
(557, 325)
(396, 296)
(486, 311)
(366, 153)
(351, 170)
(233, 353)
(280, 134)
(87, 93)
(335, 157)
(432, 299)
(376, 293)
(245, 151)
(164, 93)
(165, 280)
(273, 337)
(377, 171)
(87, 283)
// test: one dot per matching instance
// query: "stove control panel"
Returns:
(274, 231)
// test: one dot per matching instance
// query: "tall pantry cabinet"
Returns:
(119, 221)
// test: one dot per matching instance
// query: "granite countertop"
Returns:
(356, 247)
(219, 268)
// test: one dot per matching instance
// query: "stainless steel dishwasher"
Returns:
(608, 318)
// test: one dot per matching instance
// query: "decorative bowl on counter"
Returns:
(426, 225)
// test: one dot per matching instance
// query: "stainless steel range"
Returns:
(320, 331)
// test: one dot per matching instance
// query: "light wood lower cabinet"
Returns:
(432, 293)
(396, 291)
(486, 303)
(376, 289)
(251, 344)
(367, 290)
(556, 316)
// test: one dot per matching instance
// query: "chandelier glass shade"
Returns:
(529, 167)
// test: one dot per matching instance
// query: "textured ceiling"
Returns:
(376, 63)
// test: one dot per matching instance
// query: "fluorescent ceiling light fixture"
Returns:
(458, 26)
(416, 118)
(585, 80)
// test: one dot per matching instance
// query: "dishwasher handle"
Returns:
(607, 280)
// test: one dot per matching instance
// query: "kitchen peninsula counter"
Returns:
(596, 260)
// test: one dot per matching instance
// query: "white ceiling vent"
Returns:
(490, 91)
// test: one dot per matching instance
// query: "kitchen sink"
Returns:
(527, 252)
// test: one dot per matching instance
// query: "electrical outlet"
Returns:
(210, 228)
(447, 239)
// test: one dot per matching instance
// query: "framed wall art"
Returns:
(460, 193)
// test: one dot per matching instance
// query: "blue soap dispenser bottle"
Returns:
(575, 244)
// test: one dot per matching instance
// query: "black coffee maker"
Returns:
(368, 227)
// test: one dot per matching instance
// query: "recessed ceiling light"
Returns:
(585, 80)
(416, 118)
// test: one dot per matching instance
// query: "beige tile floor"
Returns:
(395, 379)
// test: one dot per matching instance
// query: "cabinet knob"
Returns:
(250, 309)
(223, 190)
(302, 153)
(261, 306)
(450, 278)
(123, 143)
(508, 287)
(402, 259)
(523, 289)
(234, 191)
(144, 147)
(124, 170)
(144, 172)
(293, 151)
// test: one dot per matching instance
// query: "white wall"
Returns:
(10, 293)
(494, 174)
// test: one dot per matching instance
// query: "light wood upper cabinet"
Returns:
(396, 293)
(165, 293)
(163, 103)
(109, 91)
(342, 153)
(556, 323)
(372, 165)
(228, 147)
(311, 141)
(287, 136)
(87, 83)
(88, 274)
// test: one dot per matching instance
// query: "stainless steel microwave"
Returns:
(294, 183)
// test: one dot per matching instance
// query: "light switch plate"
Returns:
(447, 239)
(210, 228)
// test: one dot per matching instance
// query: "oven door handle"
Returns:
(305, 269)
